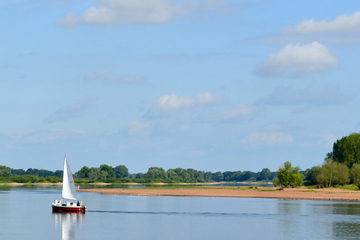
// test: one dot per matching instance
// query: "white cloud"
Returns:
(268, 138)
(241, 112)
(343, 23)
(207, 97)
(108, 76)
(136, 128)
(139, 11)
(71, 111)
(171, 103)
(297, 60)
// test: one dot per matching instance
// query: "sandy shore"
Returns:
(100, 184)
(243, 192)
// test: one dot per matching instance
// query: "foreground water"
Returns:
(25, 213)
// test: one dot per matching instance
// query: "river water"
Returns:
(25, 213)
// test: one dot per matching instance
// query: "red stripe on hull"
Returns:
(67, 209)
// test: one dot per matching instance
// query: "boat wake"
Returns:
(210, 214)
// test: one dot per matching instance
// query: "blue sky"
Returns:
(210, 85)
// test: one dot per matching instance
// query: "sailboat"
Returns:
(68, 193)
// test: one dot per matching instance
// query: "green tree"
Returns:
(103, 175)
(108, 170)
(218, 176)
(156, 172)
(237, 176)
(172, 175)
(192, 172)
(355, 174)
(44, 173)
(208, 176)
(5, 171)
(247, 176)
(297, 179)
(332, 173)
(321, 178)
(347, 150)
(31, 171)
(289, 176)
(310, 176)
(17, 171)
(121, 171)
(84, 172)
(59, 173)
(344, 174)
(228, 176)
(185, 176)
(276, 182)
(94, 174)
(139, 175)
(265, 174)
(200, 175)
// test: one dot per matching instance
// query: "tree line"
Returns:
(120, 174)
(31, 175)
(106, 173)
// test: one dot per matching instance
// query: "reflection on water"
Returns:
(68, 222)
(335, 220)
(201, 214)
(338, 208)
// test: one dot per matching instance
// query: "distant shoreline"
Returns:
(30, 184)
(240, 192)
(130, 183)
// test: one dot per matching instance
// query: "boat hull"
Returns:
(68, 209)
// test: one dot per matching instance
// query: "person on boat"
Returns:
(78, 204)
(56, 201)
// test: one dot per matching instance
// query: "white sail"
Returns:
(68, 189)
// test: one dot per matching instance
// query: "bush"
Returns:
(289, 176)
(276, 182)
(355, 174)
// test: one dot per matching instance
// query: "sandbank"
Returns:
(241, 192)
(100, 184)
